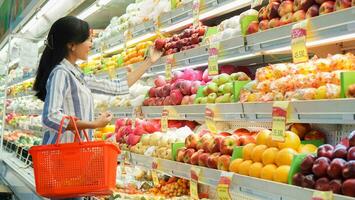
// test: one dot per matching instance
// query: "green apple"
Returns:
(198, 100)
(212, 88)
(203, 100)
(240, 76)
(232, 98)
(226, 98)
(220, 90)
(219, 99)
(228, 87)
(221, 79)
(211, 98)
(204, 91)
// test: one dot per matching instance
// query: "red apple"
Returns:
(216, 144)
(246, 139)
(207, 145)
(320, 166)
(212, 160)
(335, 186)
(348, 187)
(159, 44)
(307, 164)
(312, 11)
(285, 8)
(272, 10)
(224, 133)
(278, 1)
(322, 184)
(349, 170)
(241, 131)
(286, 19)
(298, 179)
(309, 181)
(351, 137)
(315, 135)
(340, 151)
(335, 168)
(351, 153)
(228, 144)
(253, 27)
(298, 16)
(325, 150)
(180, 154)
(188, 155)
(201, 31)
(195, 157)
(319, 2)
(202, 141)
(275, 22)
(342, 4)
(191, 141)
(202, 159)
(223, 162)
(262, 14)
(302, 5)
(326, 7)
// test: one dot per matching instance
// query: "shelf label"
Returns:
(255, 3)
(172, 112)
(213, 58)
(173, 4)
(155, 177)
(164, 120)
(279, 118)
(224, 185)
(298, 42)
(210, 32)
(170, 62)
(196, 4)
(322, 195)
(195, 174)
(136, 113)
(209, 118)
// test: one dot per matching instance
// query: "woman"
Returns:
(65, 90)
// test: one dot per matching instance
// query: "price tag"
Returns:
(255, 3)
(279, 118)
(213, 58)
(196, 4)
(157, 24)
(111, 72)
(298, 42)
(173, 4)
(170, 62)
(321, 195)
(224, 185)
(155, 166)
(164, 120)
(209, 119)
(195, 174)
(136, 113)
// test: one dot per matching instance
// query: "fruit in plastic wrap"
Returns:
(280, 70)
(283, 84)
(323, 65)
(264, 86)
(328, 91)
(343, 62)
(272, 96)
(301, 94)
(264, 73)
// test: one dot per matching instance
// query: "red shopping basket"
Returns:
(75, 169)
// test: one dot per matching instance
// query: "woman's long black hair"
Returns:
(64, 31)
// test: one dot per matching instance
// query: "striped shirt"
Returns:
(69, 93)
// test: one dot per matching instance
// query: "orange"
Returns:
(291, 141)
(257, 152)
(307, 148)
(234, 165)
(98, 134)
(262, 136)
(281, 174)
(285, 156)
(255, 169)
(244, 167)
(267, 172)
(108, 129)
(269, 155)
(247, 149)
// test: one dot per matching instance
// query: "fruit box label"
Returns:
(224, 185)
(155, 177)
(170, 61)
(213, 58)
(209, 120)
(164, 120)
(322, 195)
(194, 173)
(196, 12)
(298, 42)
(279, 117)
(347, 79)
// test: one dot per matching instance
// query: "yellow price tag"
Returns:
(321, 195)
(155, 177)
(209, 120)
(111, 72)
(298, 42)
(170, 62)
(280, 112)
(164, 120)
(196, 5)
(195, 173)
(224, 185)
(213, 58)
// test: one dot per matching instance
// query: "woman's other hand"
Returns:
(103, 119)
(154, 54)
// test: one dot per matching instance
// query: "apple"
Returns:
(319, 2)
(300, 129)
(191, 141)
(297, 179)
(253, 27)
(351, 139)
(203, 100)
(307, 164)
(348, 187)
(322, 184)
(180, 154)
(309, 181)
(302, 5)
(351, 153)
(349, 170)
(320, 166)
(286, 19)
(221, 79)
(223, 162)
(262, 15)
(159, 81)
(207, 143)
(195, 157)
(335, 168)
(227, 88)
(342, 4)
(272, 10)
(246, 139)
(202, 159)
(298, 16)
(227, 145)
(187, 156)
(335, 186)
(212, 160)
(315, 135)
(211, 88)
(325, 150)
(159, 44)
(285, 8)
(211, 98)
(240, 76)
(215, 145)
(326, 7)
(176, 97)
(340, 151)
(275, 22)
(312, 11)
(203, 141)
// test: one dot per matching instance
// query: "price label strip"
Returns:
(224, 185)
(136, 113)
(170, 62)
(155, 165)
(255, 3)
(213, 58)
(209, 119)
(298, 42)
(321, 195)
(196, 6)
(164, 120)
(195, 174)
(280, 112)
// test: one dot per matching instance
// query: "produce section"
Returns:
(180, 119)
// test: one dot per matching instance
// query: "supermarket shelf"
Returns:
(122, 112)
(242, 186)
(22, 95)
(25, 112)
(20, 80)
(34, 130)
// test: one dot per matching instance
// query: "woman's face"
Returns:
(81, 51)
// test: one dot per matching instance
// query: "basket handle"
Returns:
(76, 131)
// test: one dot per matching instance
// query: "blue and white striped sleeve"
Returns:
(109, 87)
(57, 86)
